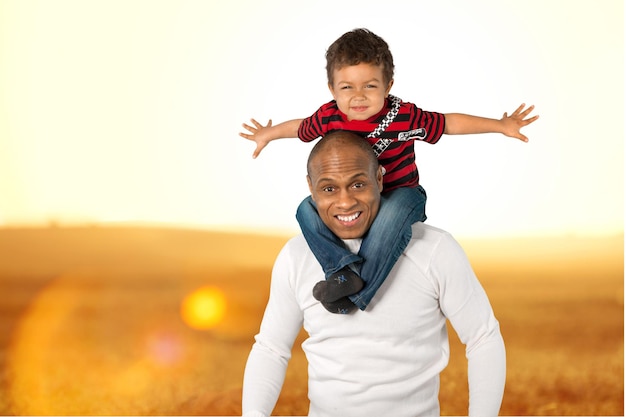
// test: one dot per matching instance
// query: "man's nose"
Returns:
(345, 199)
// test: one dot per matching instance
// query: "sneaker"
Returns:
(340, 284)
(341, 306)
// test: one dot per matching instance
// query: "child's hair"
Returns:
(356, 47)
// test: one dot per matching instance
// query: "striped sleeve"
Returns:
(316, 125)
(434, 123)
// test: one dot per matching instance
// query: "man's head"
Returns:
(359, 67)
(345, 181)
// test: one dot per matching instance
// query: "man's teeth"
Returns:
(349, 218)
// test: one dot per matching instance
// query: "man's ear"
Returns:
(308, 180)
(379, 178)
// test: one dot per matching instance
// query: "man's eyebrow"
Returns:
(354, 177)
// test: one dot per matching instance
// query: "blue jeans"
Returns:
(383, 244)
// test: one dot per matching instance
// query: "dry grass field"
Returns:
(91, 324)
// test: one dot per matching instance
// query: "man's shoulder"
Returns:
(431, 245)
(294, 250)
(295, 244)
(423, 233)
(427, 229)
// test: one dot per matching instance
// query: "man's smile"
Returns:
(350, 218)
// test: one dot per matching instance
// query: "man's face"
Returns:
(360, 90)
(346, 188)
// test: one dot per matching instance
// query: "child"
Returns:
(360, 69)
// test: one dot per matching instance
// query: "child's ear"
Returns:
(389, 88)
(332, 91)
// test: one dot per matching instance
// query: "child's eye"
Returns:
(346, 87)
(371, 86)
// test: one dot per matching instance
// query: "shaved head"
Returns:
(342, 139)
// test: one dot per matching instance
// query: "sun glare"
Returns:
(204, 308)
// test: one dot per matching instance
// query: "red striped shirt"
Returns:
(411, 123)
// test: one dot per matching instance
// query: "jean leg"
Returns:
(329, 250)
(387, 238)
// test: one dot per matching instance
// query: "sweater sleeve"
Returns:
(465, 304)
(316, 125)
(267, 363)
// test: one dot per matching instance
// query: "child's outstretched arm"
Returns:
(460, 124)
(263, 135)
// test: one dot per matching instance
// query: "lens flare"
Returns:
(204, 308)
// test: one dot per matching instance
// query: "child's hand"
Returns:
(513, 123)
(258, 134)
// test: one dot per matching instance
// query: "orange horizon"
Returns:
(92, 322)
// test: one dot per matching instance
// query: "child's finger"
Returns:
(519, 109)
(257, 151)
(532, 119)
(527, 111)
(248, 128)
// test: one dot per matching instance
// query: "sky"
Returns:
(128, 111)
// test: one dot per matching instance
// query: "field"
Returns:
(90, 323)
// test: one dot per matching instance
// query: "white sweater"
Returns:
(384, 361)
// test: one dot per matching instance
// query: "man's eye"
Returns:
(328, 189)
(359, 185)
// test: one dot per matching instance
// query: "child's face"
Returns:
(360, 90)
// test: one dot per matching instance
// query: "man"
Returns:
(384, 361)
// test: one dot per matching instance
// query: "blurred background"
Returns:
(137, 234)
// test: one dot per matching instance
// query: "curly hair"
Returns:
(356, 47)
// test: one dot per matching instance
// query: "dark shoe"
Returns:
(341, 306)
(338, 285)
